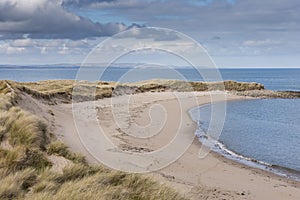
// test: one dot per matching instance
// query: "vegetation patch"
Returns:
(26, 173)
(60, 149)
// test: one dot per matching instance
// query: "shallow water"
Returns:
(266, 130)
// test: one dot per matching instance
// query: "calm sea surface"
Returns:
(265, 130)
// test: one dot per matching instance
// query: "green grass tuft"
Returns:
(76, 171)
(60, 149)
(27, 131)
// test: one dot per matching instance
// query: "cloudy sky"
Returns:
(236, 33)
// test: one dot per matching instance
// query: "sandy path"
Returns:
(213, 177)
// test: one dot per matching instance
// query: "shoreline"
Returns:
(213, 175)
(221, 149)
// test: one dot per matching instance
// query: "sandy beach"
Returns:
(212, 177)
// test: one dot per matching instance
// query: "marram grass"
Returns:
(26, 173)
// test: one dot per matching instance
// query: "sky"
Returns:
(235, 33)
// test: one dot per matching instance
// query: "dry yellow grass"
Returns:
(16, 184)
(185, 86)
(23, 129)
(107, 185)
(63, 89)
(60, 149)
(3, 88)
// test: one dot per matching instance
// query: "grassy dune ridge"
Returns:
(62, 90)
(28, 152)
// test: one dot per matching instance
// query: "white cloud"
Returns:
(22, 43)
(43, 50)
(15, 50)
(63, 50)
(258, 43)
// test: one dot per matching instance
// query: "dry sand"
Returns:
(212, 177)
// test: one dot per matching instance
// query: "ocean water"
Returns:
(264, 133)
(273, 79)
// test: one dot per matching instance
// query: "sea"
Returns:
(262, 133)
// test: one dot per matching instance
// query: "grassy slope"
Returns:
(26, 171)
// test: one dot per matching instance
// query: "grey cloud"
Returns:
(216, 38)
(234, 23)
(5, 12)
(216, 15)
(47, 19)
(83, 3)
(111, 4)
